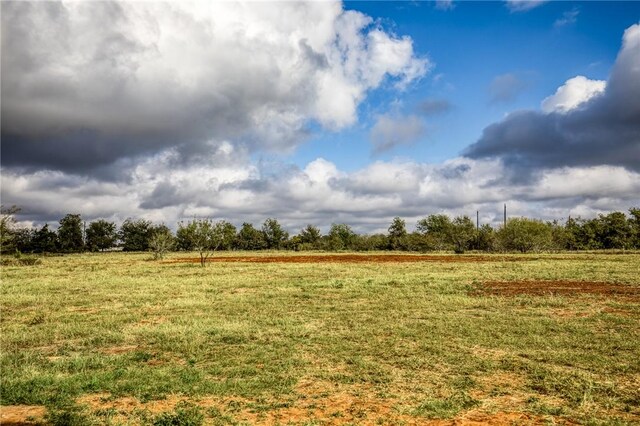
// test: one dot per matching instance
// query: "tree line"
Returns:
(615, 230)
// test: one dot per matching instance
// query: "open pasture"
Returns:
(276, 338)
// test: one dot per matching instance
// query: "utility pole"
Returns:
(505, 215)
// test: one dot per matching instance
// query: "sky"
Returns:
(319, 112)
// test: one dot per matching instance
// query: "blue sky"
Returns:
(470, 45)
(319, 112)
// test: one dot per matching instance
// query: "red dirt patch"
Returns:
(356, 258)
(477, 418)
(317, 401)
(11, 415)
(558, 288)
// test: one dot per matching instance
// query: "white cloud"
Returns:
(140, 77)
(321, 193)
(591, 182)
(573, 93)
(524, 5)
(569, 17)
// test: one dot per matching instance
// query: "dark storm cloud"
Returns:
(603, 131)
(164, 194)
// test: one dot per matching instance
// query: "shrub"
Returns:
(525, 235)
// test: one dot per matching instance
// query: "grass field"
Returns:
(121, 339)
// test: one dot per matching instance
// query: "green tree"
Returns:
(308, 239)
(461, 234)
(205, 236)
(70, 238)
(274, 235)
(101, 235)
(397, 234)
(370, 242)
(525, 235)
(230, 232)
(573, 234)
(341, 237)
(45, 240)
(615, 231)
(249, 238)
(485, 238)
(23, 239)
(135, 234)
(7, 231)
(161, 241)
(634, 224)
(310, 235)
(437, 229)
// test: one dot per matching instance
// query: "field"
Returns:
(346, 339)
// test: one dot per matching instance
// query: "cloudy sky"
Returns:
(319, 112)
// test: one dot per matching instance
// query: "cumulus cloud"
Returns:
(320, 193)
(580, 127)
(390, 131)
(88, 84)
(506, 88)
(573, 93)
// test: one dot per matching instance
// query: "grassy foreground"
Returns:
(121, 339)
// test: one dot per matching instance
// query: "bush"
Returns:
(525, 235)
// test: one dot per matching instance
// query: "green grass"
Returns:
(238, 340)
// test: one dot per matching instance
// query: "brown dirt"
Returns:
(558, 288)
(316, 401)
(11, 415)
(356, 258)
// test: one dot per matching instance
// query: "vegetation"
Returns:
(436, 232)
(206, 236)
(101, 235)
(110, 338)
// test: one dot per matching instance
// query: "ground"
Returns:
(275, 338)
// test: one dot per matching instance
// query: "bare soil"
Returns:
(12, 415)
(357, 258)
(334, 408)
(558, 288)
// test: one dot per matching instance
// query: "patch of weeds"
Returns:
(105, 414)
(234, 406)
(185, 414)
(141, 356)
(464, 382)
(68, 416)
(538, 407)
(219, 418)
(447, 407)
